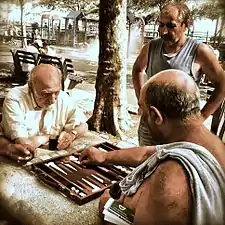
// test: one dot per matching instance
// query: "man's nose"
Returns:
(164, 30)
(52, 98)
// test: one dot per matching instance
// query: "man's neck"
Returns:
(185, 131)
(175, 47)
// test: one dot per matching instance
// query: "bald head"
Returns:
(44, 74)
(45, 83)
(173, 92)
(178, 78)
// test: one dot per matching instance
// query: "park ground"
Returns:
(85, 63)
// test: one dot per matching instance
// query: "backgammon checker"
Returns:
(79, 182)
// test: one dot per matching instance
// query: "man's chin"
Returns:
(168, 41)
(47, 106)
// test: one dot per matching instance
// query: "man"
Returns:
(34, 112)
(174, 50)
(33, 47)
(46, 50)
(178, 183)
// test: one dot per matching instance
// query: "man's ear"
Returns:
(29, 84)
(156, 115)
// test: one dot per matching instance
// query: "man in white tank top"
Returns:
(174, 50)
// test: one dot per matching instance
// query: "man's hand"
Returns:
(92, 155)
(20, 152)
(65, 139)
(103, 199)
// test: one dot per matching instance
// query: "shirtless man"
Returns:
(174, 50)
(178, 183)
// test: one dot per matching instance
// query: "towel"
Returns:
(206, 177)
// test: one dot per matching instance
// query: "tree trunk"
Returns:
(110, 109)
(23, 26)
(215, 33)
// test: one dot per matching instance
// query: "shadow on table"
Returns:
(6, 218)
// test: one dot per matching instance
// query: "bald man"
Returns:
(174, 50)
(182, 180)
(34, 112)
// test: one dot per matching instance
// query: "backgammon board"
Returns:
(79, 182)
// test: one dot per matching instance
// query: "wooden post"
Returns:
(128, 42)
(215, 33)
(49, 29)
(207, 35)
(41, 28)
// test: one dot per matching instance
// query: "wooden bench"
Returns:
(68, 71)
(22, 59)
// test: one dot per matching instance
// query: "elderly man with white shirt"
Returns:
(39, 109)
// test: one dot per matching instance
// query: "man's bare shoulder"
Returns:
(167, 174)
(168, 193)
(144, 50)
(204, 52)
(142, 59)
(202, 47)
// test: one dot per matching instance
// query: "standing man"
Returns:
(39, 109)
(174, 50)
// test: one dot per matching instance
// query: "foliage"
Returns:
(211, 9)
(207, 10)
(221, 7)
(68, 4)
(147, 5)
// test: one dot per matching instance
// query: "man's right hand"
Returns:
(92, 155)
(20, 152)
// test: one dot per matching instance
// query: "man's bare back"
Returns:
(166, 182)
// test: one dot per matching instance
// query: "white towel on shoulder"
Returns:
(207, 179)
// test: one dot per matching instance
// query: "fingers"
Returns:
(65, 139)
(91, 155)
(63, 145)
(62, 135)
(20, 152)
(83, 155)
(18, 158)
(85, 161)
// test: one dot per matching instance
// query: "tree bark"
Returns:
(23, 25)
(110, 109)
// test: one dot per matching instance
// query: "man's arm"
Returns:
(214, 72)
(34, 141)
(75, 126)
(129, 157)
(139, 68)
(21, 152)
(167, 191)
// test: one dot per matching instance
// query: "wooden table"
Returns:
(28, 200)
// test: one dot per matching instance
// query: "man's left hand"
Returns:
(103, 199)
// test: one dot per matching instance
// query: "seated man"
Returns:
(46, 50)
(182, 180)
(33, 47)
(39, 109)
